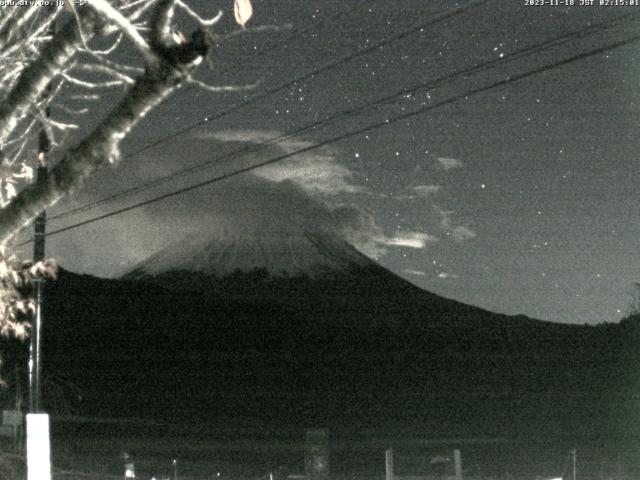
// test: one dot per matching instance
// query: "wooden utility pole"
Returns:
(35, 363)
(574, 457)
(38, 437)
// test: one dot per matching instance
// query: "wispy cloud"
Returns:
(410, 240)
(462, 233)
(448, 163)
(445, 216)
(418, 273)
(426, 190)
(319, 174)
(317, 171)
(320, 177)
(458, 233)
(446, 275)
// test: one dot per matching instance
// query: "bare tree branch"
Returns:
(221, 88)
(176, 62)
(34, 79)
(36, 65)
(202, 21)
(10, 29)
(111, 14)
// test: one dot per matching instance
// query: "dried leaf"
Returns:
(10, 189)
(4, 270)
(37, 269)
(21, 306)
(242, 10)
(26, 172)
(20, 330)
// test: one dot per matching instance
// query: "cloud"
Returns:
(317, 171)
(419, 191)
(448, 163)
(462, 233)
(410, 239)
(418, 273)
(445, 216)
(459, 233)
(298, 196)
(241, 207)
(426, 190)
(446, 275)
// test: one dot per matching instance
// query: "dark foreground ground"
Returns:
(93, 449)
(404, 368)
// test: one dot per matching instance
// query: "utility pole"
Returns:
(35, 363)
(38, 436)
(574, 456)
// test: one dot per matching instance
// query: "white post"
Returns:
(388, 463)
(38, 447)
(458, 463)
(129, 466)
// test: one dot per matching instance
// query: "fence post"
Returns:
(316, 458)
(129, 467)
(388, 464)
(458, 463)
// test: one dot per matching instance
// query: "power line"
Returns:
(524, 52)
(385, 41)
(359, 131)
(327, 66)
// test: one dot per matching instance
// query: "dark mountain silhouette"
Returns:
(324, 336)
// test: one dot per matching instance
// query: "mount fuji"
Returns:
(300, 328)
(295, 253)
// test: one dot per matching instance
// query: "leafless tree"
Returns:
(38, 62)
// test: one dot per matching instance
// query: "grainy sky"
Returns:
(518, 199)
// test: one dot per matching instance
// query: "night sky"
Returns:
(517, 199)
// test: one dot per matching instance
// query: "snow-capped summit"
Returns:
(280, 253)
